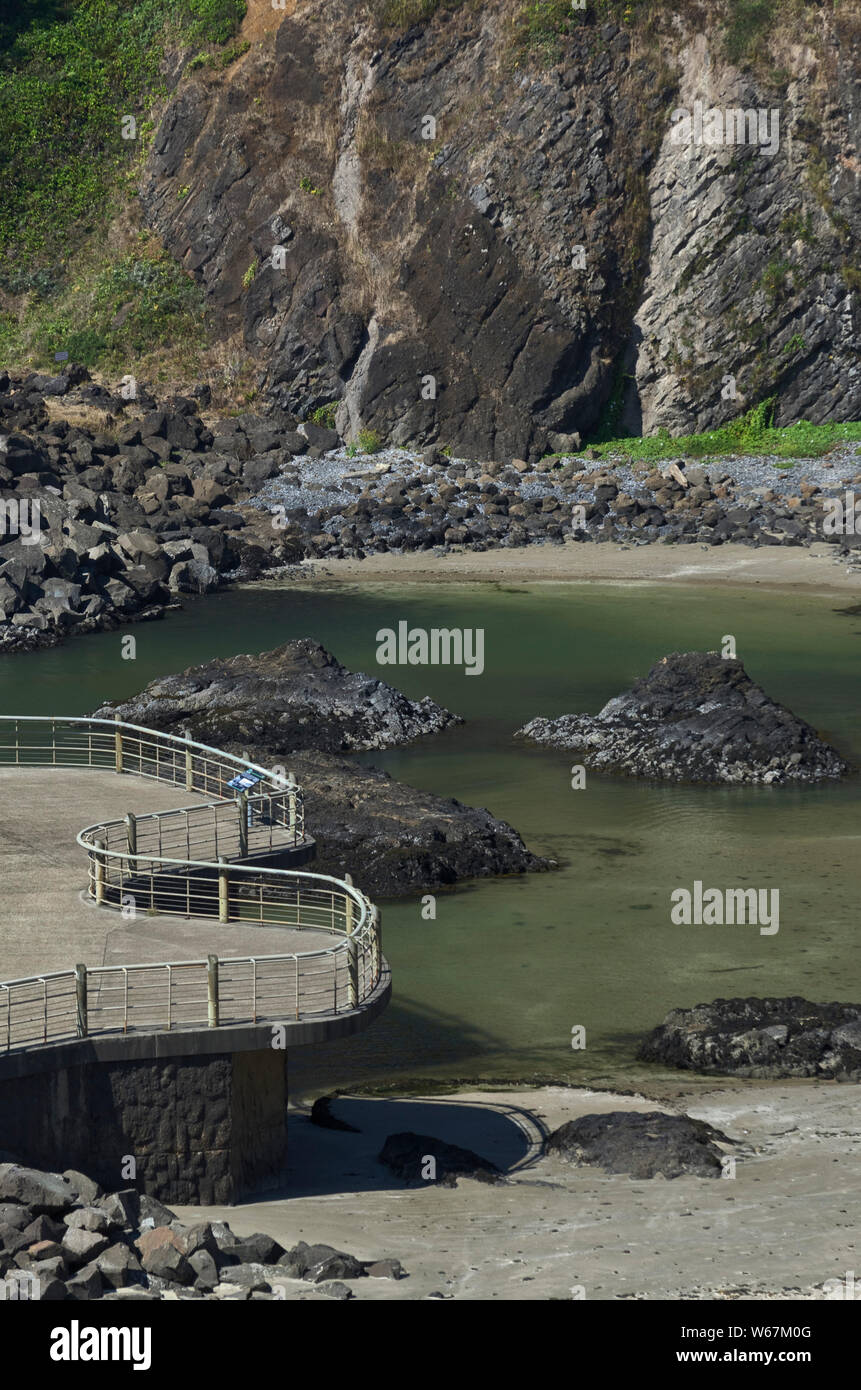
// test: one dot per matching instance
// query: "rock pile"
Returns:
(440, 504)
(696, 717)
(108, 520)
(762, 1038)
(112, 509)
(408, 1154)
(62, 1238)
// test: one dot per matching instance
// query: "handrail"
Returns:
(221, 888)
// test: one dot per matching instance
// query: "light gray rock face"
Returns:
(696, 717)
(297, 696)
(744, 264)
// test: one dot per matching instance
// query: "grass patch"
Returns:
(112, 315)
(752, 433)
(68, 76)
(366, 442)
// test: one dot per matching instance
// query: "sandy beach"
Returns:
(769, 567)
(785, 1224)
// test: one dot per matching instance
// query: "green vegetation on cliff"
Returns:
(69, 74)
(72, 74)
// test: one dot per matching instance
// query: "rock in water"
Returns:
(297, 696)
(267, 709)
(403, 838)
(761, 1038)
(696, 717)
(641, 1145)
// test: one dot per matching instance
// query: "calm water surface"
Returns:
(493, 987)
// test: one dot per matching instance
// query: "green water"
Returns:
(493, 987)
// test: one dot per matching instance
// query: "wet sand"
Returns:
(769, 567)
(783, 1225)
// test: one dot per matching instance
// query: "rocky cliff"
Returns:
(485, 229)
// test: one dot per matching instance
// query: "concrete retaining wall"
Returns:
(209, 1129)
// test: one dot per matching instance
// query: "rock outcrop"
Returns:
(500, 201)
(302, 702)
(644, 1146)
(696, 717)
(762, 1038)
(296, 696)
(405, 840)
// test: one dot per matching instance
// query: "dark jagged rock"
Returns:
(403, 838)
(761, 1038)
(318, 1262)
(695, 717)
(474, 243)
(406, 1154)
(641, 1145)
(297, 696)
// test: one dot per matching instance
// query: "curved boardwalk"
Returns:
(210, 933)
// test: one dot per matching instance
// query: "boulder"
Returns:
(86, 1284)
(406, 1155)
(81, 1246)
(88, 1219)
(119, 1266)
(315, 1263)
(41, 1192)
(641, 1145)
(319, 437)
(297, 695)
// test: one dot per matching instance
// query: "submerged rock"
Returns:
(296, 696)
(761, 1038)
(696, 717)
(641, 1145)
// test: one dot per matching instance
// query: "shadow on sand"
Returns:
(323, 1161)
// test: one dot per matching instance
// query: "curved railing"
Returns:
(145, 864)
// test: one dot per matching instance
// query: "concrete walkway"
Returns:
(47, 923)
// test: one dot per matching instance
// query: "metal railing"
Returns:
(129, 869)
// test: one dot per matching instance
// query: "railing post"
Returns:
(81, 1001)
(212, 991)
(99, 864)
(291, 802)
(118, 746)
(223, 886)
(242, 802)
(352, 951)
(189, 771)
(132, 832)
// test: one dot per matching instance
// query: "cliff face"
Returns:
(552, 256)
